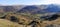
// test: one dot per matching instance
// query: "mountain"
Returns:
(10, 8)
(41, 9)
(33, 9)
(28, 9)
(52, 8)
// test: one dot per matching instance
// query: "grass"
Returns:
(27, 19)
(7, 23)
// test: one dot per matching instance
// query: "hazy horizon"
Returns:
(28, 2)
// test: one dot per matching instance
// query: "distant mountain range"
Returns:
(31, 9)
(52, 8)
(10, 8)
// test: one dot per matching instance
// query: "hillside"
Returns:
(30, 16)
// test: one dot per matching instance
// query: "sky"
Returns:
(28, 2)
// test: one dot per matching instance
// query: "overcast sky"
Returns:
(28, 2)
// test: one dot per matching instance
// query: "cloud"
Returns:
(50, 2)
(29, 2)
(39, 2)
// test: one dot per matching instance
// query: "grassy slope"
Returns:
(26, 17)
(7, 23)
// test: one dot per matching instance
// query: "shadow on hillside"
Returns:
(14, 19)
(53, 17)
